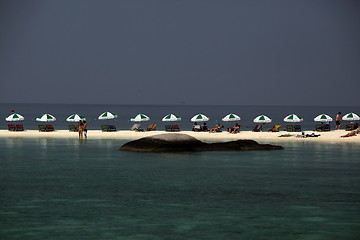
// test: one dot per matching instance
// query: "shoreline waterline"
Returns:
(329, 137)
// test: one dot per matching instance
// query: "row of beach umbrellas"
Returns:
(292, 118)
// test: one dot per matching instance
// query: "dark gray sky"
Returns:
(278, 52)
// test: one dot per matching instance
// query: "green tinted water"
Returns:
(66, 189)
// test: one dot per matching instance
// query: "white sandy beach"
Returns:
(263, 137)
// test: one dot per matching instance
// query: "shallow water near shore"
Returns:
(71, 189)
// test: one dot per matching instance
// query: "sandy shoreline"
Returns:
(332, 136)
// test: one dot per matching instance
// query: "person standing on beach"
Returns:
(338, 120)
(80, 128)
(85, 126)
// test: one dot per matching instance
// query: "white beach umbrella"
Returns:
(351, 117)
(171, 118)
(231, 117)
(107, 115)
(293, 118)
(262, 119)
(75, 118)
(14, 117)
(46, 118)
(140, 118)
(200, 118)
(323, 118)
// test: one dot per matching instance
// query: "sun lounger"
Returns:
(42, 128)
(322, 127)
(136, 127)
(289, 128)
(49, 128)
(104, 128)
(257, 128)
(297, 128)
(172, 128)
(72, 128)
(197, 128)
(108, 128)
(11, 127)
(351, 126)
(326, 127)
(275, 128)
(19, 127)
(112, 128)
(175, 128)
(151, 127)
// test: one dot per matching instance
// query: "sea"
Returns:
(88, 189)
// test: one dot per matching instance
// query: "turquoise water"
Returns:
(71, 189)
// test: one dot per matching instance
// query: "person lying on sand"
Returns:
(350, 134)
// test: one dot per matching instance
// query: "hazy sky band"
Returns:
(180, 52)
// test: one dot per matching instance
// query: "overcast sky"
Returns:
(254, 52)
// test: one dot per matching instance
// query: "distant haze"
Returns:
(278, 52)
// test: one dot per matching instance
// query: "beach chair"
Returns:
(318, 127)
(326, 128)
(19, 127)
(275, 128)
(136, 127)
(151, 127)
(351, 126)
(111, 128)
(11, 127)
(289, 128)
(104, 128)
(257, 128)
(168, 128)
(196, 128)
(175, 128)
(42, 128)
(49, 128)
(297, 128)
(72, 128)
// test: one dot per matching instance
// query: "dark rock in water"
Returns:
(176, 142)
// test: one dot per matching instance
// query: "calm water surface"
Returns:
(70, 189)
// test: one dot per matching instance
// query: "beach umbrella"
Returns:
(231, 117)
(14, 117)
(171, 118)
(75, 118)
(262, 119)
(351, 117)
(46, 118)
(140, 118)
(199, 118)
(323, 118)
(293, 118)
(107, 115)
